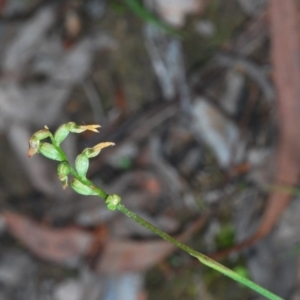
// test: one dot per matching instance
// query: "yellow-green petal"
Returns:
(92, 152)
(81, 128)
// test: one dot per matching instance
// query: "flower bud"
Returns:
(82, 189)
(81, 164)
(63, 170)
(61, 133)
(92, 152)
(112, 201)
(50, 151)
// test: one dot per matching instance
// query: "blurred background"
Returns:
(201, 99)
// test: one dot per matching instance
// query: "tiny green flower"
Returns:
(81, 128)
(63, 170)
(92, 152)
(82, 189)
(34, 142)
(112, 201)
(62, 132)
(81, 164)
(50, 151)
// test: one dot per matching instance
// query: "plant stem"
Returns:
(201, 257)
(147, 16)
(113, 201)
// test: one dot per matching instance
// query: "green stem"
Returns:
(201, 257)
(146, 15)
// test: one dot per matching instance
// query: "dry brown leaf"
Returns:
(67, 245)
(58, 245)
(121, 256)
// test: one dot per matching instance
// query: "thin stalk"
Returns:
(201, 257)
(147, 16)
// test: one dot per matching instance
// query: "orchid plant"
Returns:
(82, 185)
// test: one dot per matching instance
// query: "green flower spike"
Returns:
(34, 142)
(62, 132)
(63, 170)
(112, 202)
(84, 186)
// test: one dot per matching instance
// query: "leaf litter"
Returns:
(147, 89)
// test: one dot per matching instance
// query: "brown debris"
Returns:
(65, 245)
